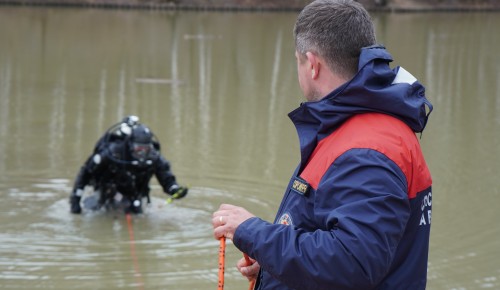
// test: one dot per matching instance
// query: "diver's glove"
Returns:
(74, 201)
(177, 192)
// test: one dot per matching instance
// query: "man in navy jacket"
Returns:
(357, 211)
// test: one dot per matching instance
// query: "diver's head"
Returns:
(141, 142)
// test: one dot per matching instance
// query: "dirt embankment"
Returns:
(383, 5)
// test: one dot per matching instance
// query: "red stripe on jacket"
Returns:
(383, 133)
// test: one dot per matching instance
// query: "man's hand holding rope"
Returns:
(225, 221)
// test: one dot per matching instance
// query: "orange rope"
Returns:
(222, 251)
(252, 283)
(222, 254)
(140, 283)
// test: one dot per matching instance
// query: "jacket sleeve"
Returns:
(367, 193)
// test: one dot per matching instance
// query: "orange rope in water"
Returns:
(222, 251)
(140, 283)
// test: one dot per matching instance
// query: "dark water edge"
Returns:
(263, 5)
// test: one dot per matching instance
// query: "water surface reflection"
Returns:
(216, 88)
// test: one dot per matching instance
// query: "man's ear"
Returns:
(314, 64)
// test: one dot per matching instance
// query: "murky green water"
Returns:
(216, 88)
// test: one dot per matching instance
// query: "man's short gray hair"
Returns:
(335, 30)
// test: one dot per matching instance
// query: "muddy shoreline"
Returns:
(263, 5)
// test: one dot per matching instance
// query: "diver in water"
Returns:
(124, 160)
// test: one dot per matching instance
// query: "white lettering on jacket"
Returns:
(425, 218)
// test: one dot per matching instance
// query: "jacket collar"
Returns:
(375, 88)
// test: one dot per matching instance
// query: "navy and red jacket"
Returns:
(357, 211)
